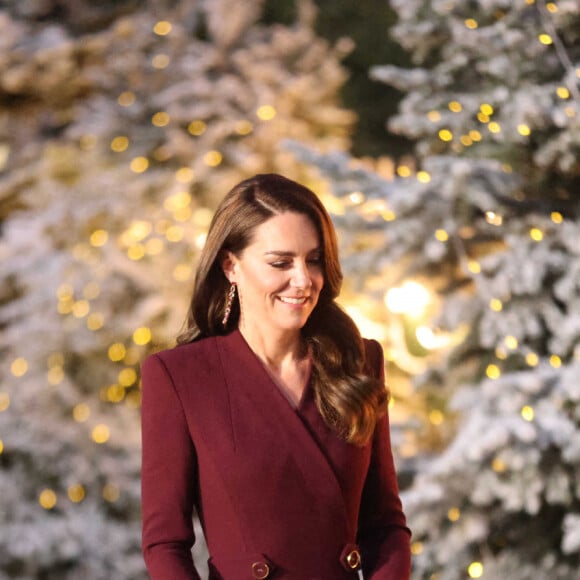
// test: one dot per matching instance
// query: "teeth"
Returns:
(292, 300)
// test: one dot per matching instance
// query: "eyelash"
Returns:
(280, 265)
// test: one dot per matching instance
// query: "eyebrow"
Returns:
(287, 254)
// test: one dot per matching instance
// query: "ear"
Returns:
(229, 265)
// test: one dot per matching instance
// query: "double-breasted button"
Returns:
(260, 570)
(353, 559)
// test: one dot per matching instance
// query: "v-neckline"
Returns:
(277, 384)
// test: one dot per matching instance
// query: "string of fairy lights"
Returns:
(142, 239)
(411, 297)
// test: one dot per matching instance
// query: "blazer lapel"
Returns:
(277, 427)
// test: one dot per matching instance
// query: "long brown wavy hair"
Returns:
(348, 399)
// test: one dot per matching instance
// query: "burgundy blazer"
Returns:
(277, 493)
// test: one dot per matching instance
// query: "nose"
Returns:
(301, 277)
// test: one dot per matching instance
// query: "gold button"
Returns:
(260, 570)
(353, 559)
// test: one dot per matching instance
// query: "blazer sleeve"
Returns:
(383, 535)
(168, 477)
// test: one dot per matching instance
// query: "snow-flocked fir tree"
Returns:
(121, 126)
(489, 221)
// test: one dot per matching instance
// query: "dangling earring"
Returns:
(229, 302)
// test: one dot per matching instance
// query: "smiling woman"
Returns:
(270, 417)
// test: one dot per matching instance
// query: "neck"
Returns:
(274, 348)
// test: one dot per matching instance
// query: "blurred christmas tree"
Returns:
(121, 125)
(479, 245)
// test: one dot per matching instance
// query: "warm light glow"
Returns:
(244, 127)
(445, 135)
(120, 144)
(475, 570)
(127, 377)
(434, 116)
(511, 342)
(184, 175)
(482, 117)
(81, 308)
(486, 109)
(475, 135)
(492, 371)
(162, 28)
(473, 266)
(356, 198)
(441, 235)
(174, 233)
(532, 359)
(527, 413)
(101, 433)
(367, 327)
(160, 119)
(142, 335)
(524, 130)
(197, 128)
(471, 24)
(4, 401)
(266, 112)
(126, 99)
(496, 305)
(423, 176)
(47, 499)
(117, 351)
(416, 548)
(115, 393)
(160, 61)
(563, 92)
(403, 171)
(411, 297)
(466, 140)
(555, 361)
(498, 465)
(536, 234)
(501, 353)
(455, 107)
(556, 217)
(212, 158)
(111, 492)
(429, 339)
(81, 412)
(76, 493)
(95, 321)
(551, 7)
(454, 514)
(179, 200)
(139, 164)
(545, 39)
(493, 218)
(494, 127)
(55, 376)
(436, 417)
(91, 291)
(182, 272)
(1, 446)
(19, 367)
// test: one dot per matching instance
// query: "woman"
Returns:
(270, 417)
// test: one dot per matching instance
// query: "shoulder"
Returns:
(191, 357)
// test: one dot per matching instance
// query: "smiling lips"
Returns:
(295, 301)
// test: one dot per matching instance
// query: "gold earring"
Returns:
(229, 302)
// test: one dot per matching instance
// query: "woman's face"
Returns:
(279, 274)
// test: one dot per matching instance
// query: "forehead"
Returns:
(288, 230)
